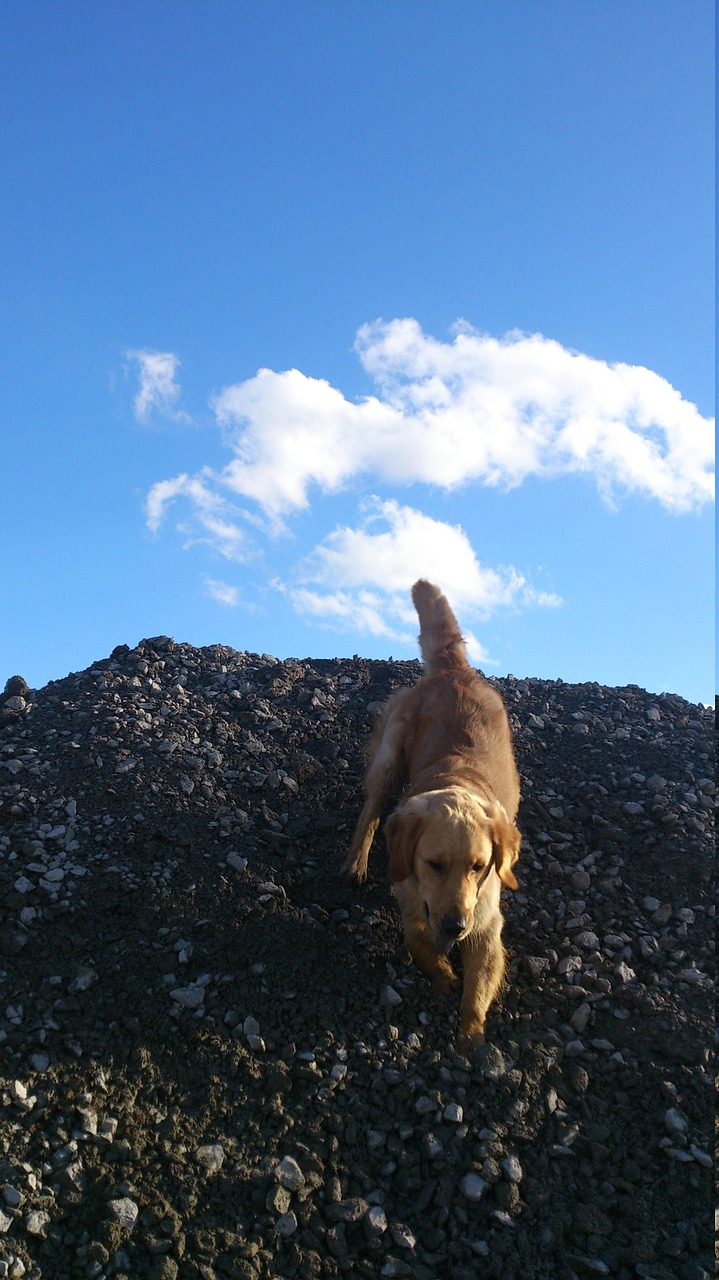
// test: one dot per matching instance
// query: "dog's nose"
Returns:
(453, 925)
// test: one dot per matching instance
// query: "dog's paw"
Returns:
(469, 1040)
(354, 866)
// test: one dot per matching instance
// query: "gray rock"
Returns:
(375, 1222)
(289, 1174)
(473, 1187)
(352, 1210)
(124, 1211)
(402, 1236)
(278, 1201)
(674, 1121)
(211, 1157)
(286, 1225)
(511, 1169)
(491, 1061)
(37, 1222)
(191, 997)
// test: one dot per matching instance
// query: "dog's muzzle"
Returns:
(452, 928)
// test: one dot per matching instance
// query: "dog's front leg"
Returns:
(419, 941)
(434, 966)
(385, 777)
(483, 958)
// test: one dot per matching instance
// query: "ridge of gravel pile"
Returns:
(215, 1057)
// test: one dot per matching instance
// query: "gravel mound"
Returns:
(215, 1057)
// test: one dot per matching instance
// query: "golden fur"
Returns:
(452, 841)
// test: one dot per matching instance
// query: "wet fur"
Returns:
(452, 841)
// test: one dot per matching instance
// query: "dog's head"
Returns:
(454, 846)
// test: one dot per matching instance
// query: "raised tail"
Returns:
(440, 638)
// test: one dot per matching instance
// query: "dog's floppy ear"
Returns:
(506, 840)
(401, 833)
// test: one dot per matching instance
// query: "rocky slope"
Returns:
(215, 1059)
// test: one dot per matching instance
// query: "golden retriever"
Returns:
(452, 841)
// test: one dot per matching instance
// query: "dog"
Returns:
(452, 840)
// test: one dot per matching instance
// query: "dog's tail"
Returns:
(440, 638)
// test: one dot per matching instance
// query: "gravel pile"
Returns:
(215, 1057)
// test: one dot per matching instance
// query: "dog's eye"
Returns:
(477, 868)
(436, 866)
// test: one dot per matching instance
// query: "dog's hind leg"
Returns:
(385, 777)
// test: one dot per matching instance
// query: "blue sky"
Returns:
(301, 301)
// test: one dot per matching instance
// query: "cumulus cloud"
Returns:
(477, 409)
(359, 578)
(158, 391)
(222, 592)
(474, 410)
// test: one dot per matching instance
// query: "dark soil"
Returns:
(192, 993)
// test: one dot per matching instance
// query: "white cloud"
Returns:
(222, 592)
(478, 409)
(359, 579)
(158, 391)
(212, 520)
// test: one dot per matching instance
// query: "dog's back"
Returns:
(458, 722)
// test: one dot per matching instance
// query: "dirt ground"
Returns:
(216, 1059)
